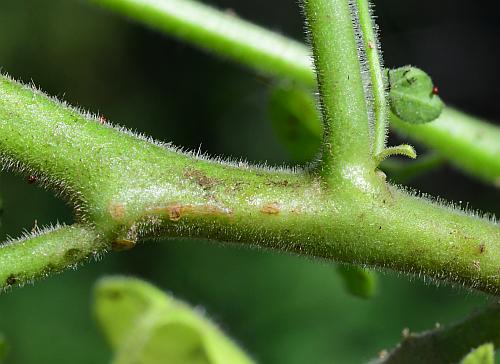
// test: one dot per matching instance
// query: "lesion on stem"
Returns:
(130, 187)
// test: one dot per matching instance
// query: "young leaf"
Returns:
(402, 149)
(485, 354)
(145, 325)
(296, 120)
(358, 281)
(413, 97)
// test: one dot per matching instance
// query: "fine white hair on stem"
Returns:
(364, 67)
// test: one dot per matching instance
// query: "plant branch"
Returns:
(470, 144)
(221, 32)
(48, 251)
(346, 133)
(447, 344)
(130, 188)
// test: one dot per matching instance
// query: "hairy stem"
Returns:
(46, 252)
(372, 50)
(475, 151)
(131, 188)
(448, 344)
(346, 134)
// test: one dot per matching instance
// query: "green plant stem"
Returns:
(346, 133)
(376, 75)
(45, 252)
(475, 151)
(130, 189)
(448, 344)
(221, 32)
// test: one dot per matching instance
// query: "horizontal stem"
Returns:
(470, 144)
(131, 188)
(45, 252)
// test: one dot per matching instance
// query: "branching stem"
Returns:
(46, 252)
(346, 139)
(130, 188)
(467, 142)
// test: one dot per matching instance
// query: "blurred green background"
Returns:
(281, 309)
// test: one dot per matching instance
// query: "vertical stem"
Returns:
(338, 71)
(377, 79)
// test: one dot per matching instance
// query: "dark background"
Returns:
(282, 309)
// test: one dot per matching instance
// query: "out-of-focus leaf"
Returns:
(4, 348)
(485, 354)
(359, 282)
(413, 97)
(296, 120)
(146, 326)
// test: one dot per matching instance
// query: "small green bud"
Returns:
(413, 97)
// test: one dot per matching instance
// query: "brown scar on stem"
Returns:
(271, 208)
(176, 211)
(201, 178)
(116, 210)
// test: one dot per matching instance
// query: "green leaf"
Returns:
(160, 339)
(359, 282)
(412, 95)
(296, 120)
(144, 325)
(485, 354)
